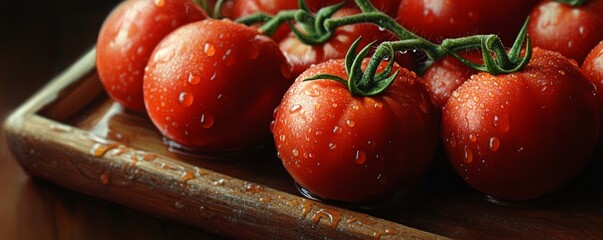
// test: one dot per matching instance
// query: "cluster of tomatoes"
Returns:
(217, 86)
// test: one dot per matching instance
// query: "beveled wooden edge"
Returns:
(171, 189)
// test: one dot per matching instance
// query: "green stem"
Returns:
(575, 3)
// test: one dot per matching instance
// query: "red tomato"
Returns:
(301, 56)
(447, 74)
(387, 6)
(522, 135)
(213, 85)
(592, 68)
(355, 149)
(572, 31)
(127, 38)
(440, 19)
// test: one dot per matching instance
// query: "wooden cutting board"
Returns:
(72, 134)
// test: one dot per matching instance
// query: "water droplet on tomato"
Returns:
(468, 155)
(494, 144)
(472, 137)
(254, 51)
(337, 129)
(295, 108)
(104, 178)
(570, 44)
(312, 92)
(360, 157)
(213, 77)
(350, 123)
(282, 137)
(562, 72)
(209, 49)
(286, 70)
(332, 145)
(159, 3)
(185, 99)
(295, 152)
(381, 179)
(378, 105)
(502, 124)
(207, 120)
(193, 80)
(140, 50)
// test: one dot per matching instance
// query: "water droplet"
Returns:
(149, 157)
(378, 105)
(265, 199)
(186, 176)
(468, 155)
(254, 51)
(501, 124)
(282, 137)
(159, 3)
(185, 99)
(286, 70)
(213, 76)
(381, 179)
(253, 188)
(295, 152)
(332, 146)
(98, 149)
(207, 120)
(193, 80)
(312, 92)
(220, 182)
(494, 144)
(209, 49)
(360, 157)
(295, 108)
(570, 44)
(104, 178)
(350, 123)
(562, 72)
(337, 129)
(179, 205)
(472, 137)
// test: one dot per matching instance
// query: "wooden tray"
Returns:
(72, 134)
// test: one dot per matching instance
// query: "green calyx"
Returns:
(358, 83)
(574, 3)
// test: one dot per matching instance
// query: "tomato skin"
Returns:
(213, 85)
(127, 39)
(572, 31)
(387, 6)
(592, 68)
(302, 56)
(329, 143)
(522, 135)
(440, 19)
(446, 74)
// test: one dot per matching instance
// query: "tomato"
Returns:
(592, 68)
(213, 85)
(127, 38)
(572, 31)
(520, 136)
(387, 6)
(440, 19)
(446, 74)
(301, 56)
(355, 149)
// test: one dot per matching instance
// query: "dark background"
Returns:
(39, 39)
